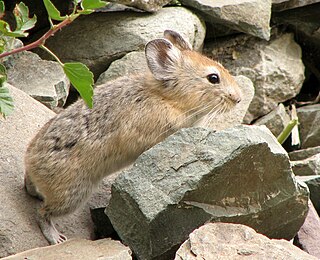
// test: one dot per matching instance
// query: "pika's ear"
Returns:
(162, 58)
(177, 40)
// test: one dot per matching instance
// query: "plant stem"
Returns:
(286, 132)
(52, 54)
(41, 40)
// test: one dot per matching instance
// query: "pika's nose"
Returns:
(235, 97)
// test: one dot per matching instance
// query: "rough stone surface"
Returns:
(304, 22)
(308, 166)
(237, 14)
(236, 115)
(43, 80)
(313, 183)
(304, 153)
(239, 175)
(78, 249)
(117, 33)
(275, 68)
(18, 228)
(147, 5)
(308, 236)
(309, 118)
(234, 241)
(276, 120)
(280, 5)
(132, 63)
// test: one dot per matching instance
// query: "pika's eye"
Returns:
(213, 78)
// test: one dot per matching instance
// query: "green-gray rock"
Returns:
(239, 175)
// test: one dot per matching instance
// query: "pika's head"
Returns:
(189, 77)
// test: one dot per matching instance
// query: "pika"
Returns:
(71, 154)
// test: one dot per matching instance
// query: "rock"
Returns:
(236, 115)
(239, 175)
(304, 153)
(132, 63)
(309, 118)
(43, 80)
(280, 5)
(236, 14)
(313, 183)
(275, 68)
(308, 166)
(234, 241)
(149, 5)
(121, 32)
(18, 228)
(308, 236)
(276, 120)
(78, 249)
(305, 24)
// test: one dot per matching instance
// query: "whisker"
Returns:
(197, 112)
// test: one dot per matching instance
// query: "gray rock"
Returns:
(308, 236)
(313, 183)
(18, 228)
(237, 14)
(147, 5)
(309, 118)
(280, 5)
(275, 68)
(305, 24)
(132, 63)
(239, 175)
(236, 115)
(118, 33)
(234, 241)
(276, 120)
(78, 249)
(304, 153)
(308, 166)
(43, 80)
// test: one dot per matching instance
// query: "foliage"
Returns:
(79, 75)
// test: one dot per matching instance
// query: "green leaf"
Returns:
(6, 101)
(82, 79)
(21, 13)
(53, 12)
(92, 4)
(6, 31)
(3, 74)
(2, 9)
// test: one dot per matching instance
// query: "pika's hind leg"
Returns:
(59, 203)
(49, 230)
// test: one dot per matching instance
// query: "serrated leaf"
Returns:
(23, 21)
(82, 79)
(29, 24)
(6, 101)
(92, 4)
(53, 12)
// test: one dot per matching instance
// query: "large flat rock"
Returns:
(239, 175)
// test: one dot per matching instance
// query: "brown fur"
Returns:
(72, 153)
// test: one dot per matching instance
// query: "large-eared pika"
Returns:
(71, 154)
